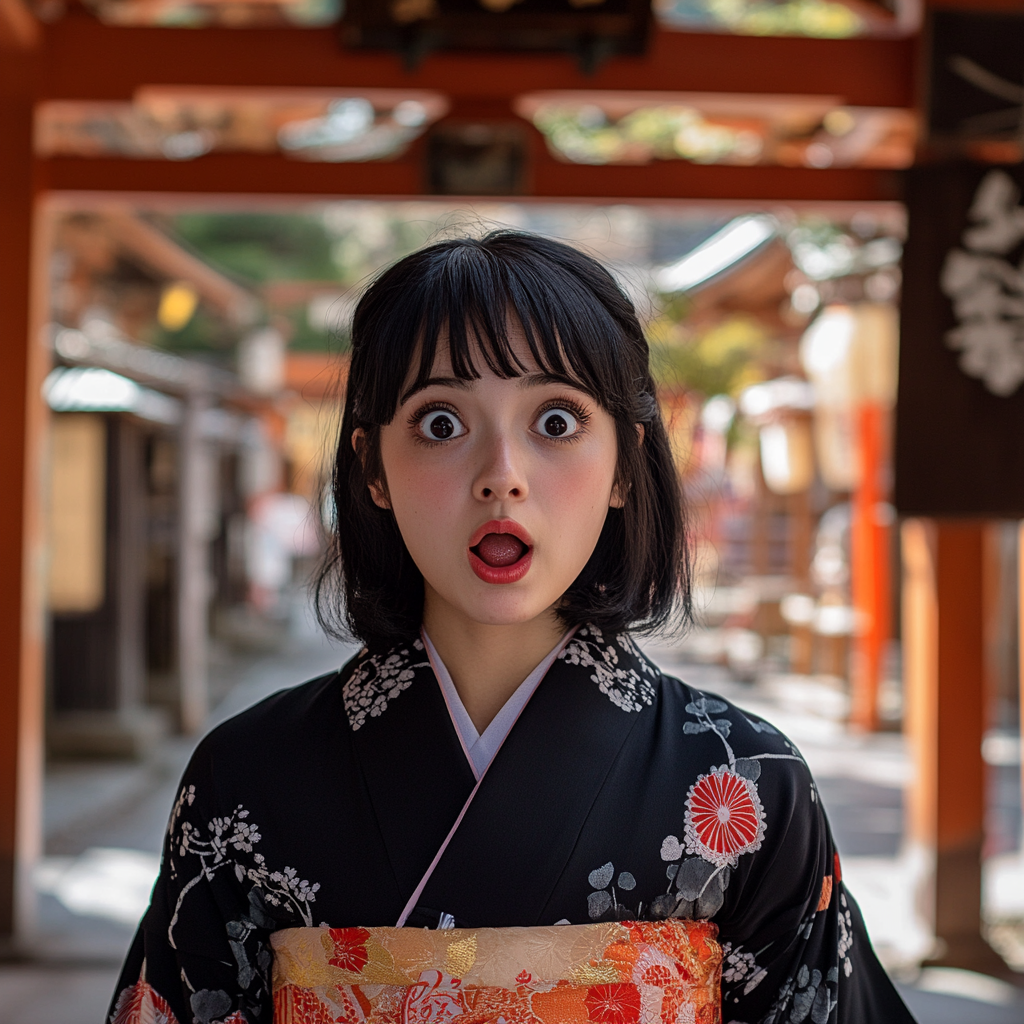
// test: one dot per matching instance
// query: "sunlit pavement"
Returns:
(104, 827)
(105, 824)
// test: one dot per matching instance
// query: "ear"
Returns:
(377, 492)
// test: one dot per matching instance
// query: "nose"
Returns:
(501, 476)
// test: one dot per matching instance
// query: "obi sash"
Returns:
(613, 973)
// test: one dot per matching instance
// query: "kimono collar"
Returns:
(537, 792)
(481, 748)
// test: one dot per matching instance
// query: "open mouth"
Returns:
(499, 550)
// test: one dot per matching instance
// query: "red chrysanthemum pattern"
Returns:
(724, 817)
(613, 1004)
(349, 949)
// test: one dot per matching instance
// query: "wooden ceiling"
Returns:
(79, 58)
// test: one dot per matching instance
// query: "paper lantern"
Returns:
(787, 455)
(850, 355)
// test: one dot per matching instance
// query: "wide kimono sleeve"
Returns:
(201, 953)
(795, 947)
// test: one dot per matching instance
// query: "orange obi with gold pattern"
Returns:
(619, 973)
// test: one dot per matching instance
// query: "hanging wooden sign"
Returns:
(960, 409)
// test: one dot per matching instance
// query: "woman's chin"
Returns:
(503, 616)
(503, 609)
(469, 599)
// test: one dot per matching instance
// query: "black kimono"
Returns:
(619, 794)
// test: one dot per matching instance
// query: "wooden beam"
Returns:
(19, 27)
(678, 179)
(262, 174)
(89, 60)
(22, 419)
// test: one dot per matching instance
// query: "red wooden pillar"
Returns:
(870, 569)
(22, 418)
(943, 638)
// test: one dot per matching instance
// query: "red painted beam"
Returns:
(260, 174)
(677, 179)
(241, 173)
(87, 60)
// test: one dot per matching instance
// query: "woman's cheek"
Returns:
(580, 485)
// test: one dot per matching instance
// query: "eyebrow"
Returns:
(436, 382)
(533, 380)
(527, 380)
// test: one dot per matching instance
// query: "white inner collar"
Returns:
(480, 749)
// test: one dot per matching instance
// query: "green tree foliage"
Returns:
(720, 360)
(252, 248)
(259, 247)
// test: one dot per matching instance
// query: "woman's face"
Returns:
(499, 487)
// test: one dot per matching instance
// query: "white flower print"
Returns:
(624, 687)
(845, 934)
(216, 848)
(281, 888)
(378, 681)
(736, 964)
(740, 967)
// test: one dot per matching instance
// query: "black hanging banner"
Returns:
(976, 75)
(960, 410)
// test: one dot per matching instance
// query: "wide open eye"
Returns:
(441, 425)
(556, 423)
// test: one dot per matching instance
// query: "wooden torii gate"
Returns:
(78, 58)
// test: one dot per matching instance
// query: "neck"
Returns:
(487, 663)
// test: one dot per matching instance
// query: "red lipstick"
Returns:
(493, 555)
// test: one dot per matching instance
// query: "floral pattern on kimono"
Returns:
(194, 859)
(724, 822)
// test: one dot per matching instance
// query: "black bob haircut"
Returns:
(580, 327)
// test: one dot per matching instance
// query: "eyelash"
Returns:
(418, 415)
(569, 404)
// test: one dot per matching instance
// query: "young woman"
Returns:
(501, 755)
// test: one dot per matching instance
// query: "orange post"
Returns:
(943, 638)
(21, 564)
(870, 569)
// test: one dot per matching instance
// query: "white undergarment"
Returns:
(480, 749)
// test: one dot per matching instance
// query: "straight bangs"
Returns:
(468, 300)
